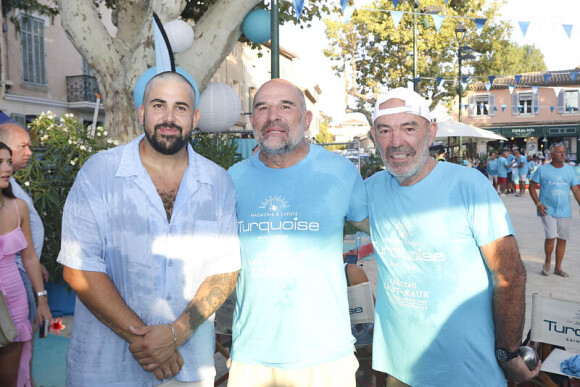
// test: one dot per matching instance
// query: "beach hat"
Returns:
(164, 62)
(414, 104)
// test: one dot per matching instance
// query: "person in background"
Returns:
(491, 169)
(553, 206)
(15, 236)
(502, 168)
(448, 262)
(18, 139)
(522, 171)
(510, 184)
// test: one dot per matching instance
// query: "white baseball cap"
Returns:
(414, 104)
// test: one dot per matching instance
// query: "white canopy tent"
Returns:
(458, 129)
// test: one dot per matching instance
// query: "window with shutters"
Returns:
(482, 105)
(571, 101)
(525, 104)
(32, 43)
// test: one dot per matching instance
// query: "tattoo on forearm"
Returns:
(210, 297)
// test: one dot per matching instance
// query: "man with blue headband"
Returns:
(150, 246)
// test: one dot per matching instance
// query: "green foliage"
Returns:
(61, 147)
(372, 54)
(220, 148)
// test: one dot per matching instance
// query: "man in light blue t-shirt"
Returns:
(522, 171)
(555, 180)
(491, 170)
(441, 318)
(502, 165)
(511, 186)
(291, 322)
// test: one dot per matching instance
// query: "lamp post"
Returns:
(428, 10)
(275, 40)
(463, 52)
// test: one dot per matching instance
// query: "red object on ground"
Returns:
(56, 326)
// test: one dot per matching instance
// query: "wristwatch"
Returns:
(43, 293)
(504, 356)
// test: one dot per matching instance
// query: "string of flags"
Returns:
(348, 11)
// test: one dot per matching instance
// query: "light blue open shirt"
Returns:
(114, 222)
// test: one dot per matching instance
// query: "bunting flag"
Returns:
(343, 4)
(520, 109)
(536, 108)
(552, 109)
(503, 107)
(495, 108)
(396, 2)
(574, 75)
(570, 108)
(491, 79)
(440, 81)
(524, 27)
(416, 82)
(511, 88)
(487, 85)
(396, 16)
(464, 79)
(347, 13)
(438, 21)
(535, 89)
(446, 2)
(547, 77)
(465, 107)
(557, 91)
(479, 23)
(298, 7)
(517, 77)
(567, 28)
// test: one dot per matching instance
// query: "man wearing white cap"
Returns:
(451, 298)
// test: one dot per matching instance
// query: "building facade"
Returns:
(533, 110)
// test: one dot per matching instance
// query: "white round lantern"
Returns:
(219, 108)
(180, 35)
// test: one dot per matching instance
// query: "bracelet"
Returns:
(538, 203)
(173, 333)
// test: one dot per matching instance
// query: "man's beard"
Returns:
(167, 145)
(413, 169)
(289, 145)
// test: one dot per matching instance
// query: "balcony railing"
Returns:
(81, 88)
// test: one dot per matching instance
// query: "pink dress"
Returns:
(13, 288)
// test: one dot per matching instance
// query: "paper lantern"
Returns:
(219, 108)
(180, 35)
(257, 26)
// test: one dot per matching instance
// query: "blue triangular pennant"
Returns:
(396, 2)
(517, 77)
(343, 4)
(552, 109)
(536, 108)
(567, 28)
(547, 77)
(535, 89)
(520, 109)
(446, 2)
(438, 21)
(570, 109)
(464, 79)
(416, 82)
(440, 81)
(524, 27)
(298, 7)
(574, 75)
(465, 107)
(503, 107)
(487, 86)
(347, 13)
(479, 23)
(495, 108)
(491, 79)
(396, 16)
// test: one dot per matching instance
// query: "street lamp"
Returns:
(428, 10)
(463, 53)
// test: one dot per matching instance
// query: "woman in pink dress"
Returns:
(15, 236)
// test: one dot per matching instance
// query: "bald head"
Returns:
(289, 87)
(18, 140)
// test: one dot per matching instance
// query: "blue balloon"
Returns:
(139, 91)
(257, 26)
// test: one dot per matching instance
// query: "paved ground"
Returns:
(530, 238)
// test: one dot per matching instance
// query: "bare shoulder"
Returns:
(22, 209)
(356, 275)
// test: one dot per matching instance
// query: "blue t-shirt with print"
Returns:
(501, 167)
(531, 165)
(555, 184)
(292, 307)
(433, 318)
(510, 160)
(523, 170)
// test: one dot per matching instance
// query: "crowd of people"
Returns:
(155, 238)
